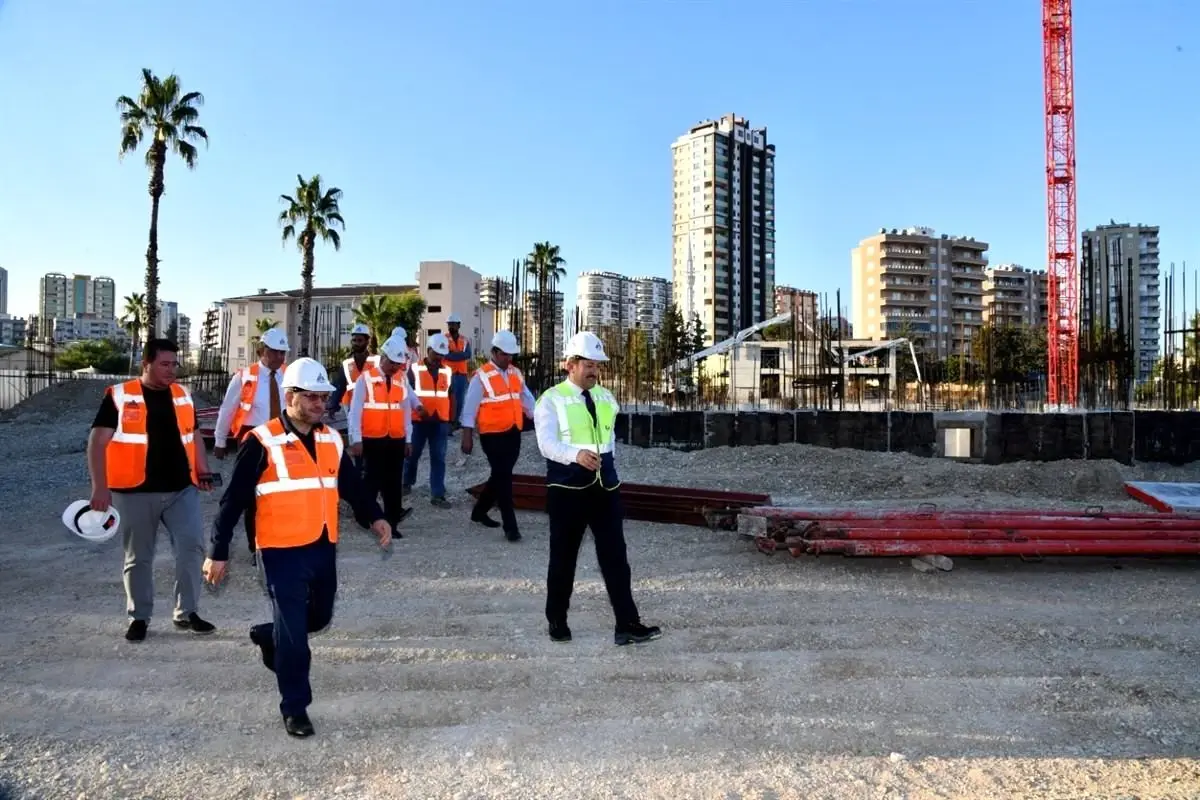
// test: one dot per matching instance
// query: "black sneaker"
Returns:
(266, 644)
(636, 633)
(194, 624)
(298, 725)
(559, 632)
(136, 631)
(484, 520)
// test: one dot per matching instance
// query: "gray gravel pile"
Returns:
(776, 677)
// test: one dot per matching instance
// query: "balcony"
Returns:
(889, 265)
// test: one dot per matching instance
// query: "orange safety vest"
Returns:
(500, 408)
(385, 410)
(125, 456)
(249, 377)
(351, 370)
(458, 346)
(296, 497)
(433, 393)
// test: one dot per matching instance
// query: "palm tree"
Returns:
(262, 326)
(547, 266)
(310, 215)
(168, 117)
(382, 313)
(133, 320)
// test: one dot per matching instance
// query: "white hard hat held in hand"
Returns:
(506, 342)
(438, 343)
(396, 350)
(275, 339)
(585, 344)
(95, 526)
(306, 375)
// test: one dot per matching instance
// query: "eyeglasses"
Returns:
(312, 397)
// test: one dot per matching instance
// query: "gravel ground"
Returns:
(776, 677)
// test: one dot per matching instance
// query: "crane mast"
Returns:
(1062, 369)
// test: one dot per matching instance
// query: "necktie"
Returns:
(274, 396)
(591, 406)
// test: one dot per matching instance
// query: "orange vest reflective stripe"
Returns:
(433, 393)
(385, 410)
(125, 456)
(296, 497)
(458, 346)
(352, 373)
(500, 408)
(249, 377)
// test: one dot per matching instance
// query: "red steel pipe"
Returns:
(1078, 547)
(983, 519)
(872, 532)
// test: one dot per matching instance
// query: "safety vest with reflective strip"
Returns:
(434, 393)
(125, 456)
(385, 409)
(351, 370)
(458, 346)
(575, 427)
(296, 498)
(500, 408)
(249, 376)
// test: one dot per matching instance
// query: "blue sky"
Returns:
(469, 130)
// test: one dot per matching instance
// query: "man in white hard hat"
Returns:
(352, 366)
(575, 422)
(459, 361)
(144, 459)
(430, 380)
(379, 425)
(254, 396)
(290, 474)
(497, 403)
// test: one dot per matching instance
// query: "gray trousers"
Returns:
(180, 514)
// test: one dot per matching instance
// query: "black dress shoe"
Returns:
(559, 632)
(136, 631)
(636, 633)
(298, 725)
(483, 519)
(512, 536)
(194, 624)
(266, 644)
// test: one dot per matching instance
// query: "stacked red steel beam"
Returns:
(922, 532)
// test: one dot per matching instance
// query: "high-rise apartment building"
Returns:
(1119, 288)
(450, 287)
(723, 252)
(3, 290)
(79, 296)
(168, 320)
(184, 339)
(1014, 296)
(607, 300)
(913, 282)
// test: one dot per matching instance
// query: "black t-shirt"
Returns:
(167, 466)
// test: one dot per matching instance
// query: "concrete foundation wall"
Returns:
(994, 437)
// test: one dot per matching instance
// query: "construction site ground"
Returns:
(776, 677)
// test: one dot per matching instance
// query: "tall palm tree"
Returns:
(312, 214)
(133, 320)
(168, 116)
(261, 326)
(547, 266)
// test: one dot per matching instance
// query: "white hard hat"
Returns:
(95, 526)
(275, 339)
(360, 330)
(307, 375)
(585, 344)
(396, 349)
(505, 341)
(438, 343)
(398, 332)
(453, 318)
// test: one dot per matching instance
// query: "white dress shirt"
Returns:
(475, 391)
(359, 398)
(260, 407)
(545, 423)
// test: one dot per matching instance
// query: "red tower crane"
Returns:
(1062, 265)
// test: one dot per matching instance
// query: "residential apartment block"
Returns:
(449, 287)
(60, 297)
(1120, 289)
(723, 251)
(3, 291)
(1014, 295)
(12, 330)
(618, 302)
(914, 282)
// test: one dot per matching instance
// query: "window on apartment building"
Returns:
(241, 311)
(769, 358)
(768, 386)
(433, 287)
(432, 331)
(241, 330)
(434, 309)
(268, 308)
(241, 352)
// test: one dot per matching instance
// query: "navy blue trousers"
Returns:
(301, 582)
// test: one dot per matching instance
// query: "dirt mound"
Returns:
(67, 398)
